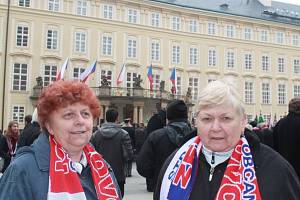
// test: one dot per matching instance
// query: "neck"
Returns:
(75, 156)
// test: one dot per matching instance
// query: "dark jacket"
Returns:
(158, 146)
(287, 139)
(27, 177)
(157, 121)
(4, 154)
(29, 134)
(276, 178)
(114, 144)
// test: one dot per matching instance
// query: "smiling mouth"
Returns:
(78, 132)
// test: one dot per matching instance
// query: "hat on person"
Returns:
(177, 109)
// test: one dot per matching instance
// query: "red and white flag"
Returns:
(60, 74)
(122, 74)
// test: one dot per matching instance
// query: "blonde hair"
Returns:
(220, 93)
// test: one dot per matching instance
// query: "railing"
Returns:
(127, 92)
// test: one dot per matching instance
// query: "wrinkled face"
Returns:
(220, 127)
(71, 126)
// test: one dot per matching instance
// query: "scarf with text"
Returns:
(64, 182)
(239, 180)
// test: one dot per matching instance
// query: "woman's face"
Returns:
(220, 127)
(71, 126)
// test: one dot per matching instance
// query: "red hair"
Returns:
(63, 93)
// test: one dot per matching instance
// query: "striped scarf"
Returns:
(64, 182)
(239, 180)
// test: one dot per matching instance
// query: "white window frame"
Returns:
(265, 63)
(80, 41)
(266, 93)
(193, 55)
(230, 59)
(176, 51)
(52, 36)
(193, 26)
(280, 63)
(279, 37)
(107, 11)
(175, 23)
(249, 92)
(296, 63)
(155, 50)
(230, 31)
(77, 70)
(81, 7)
(194, 84)
(24, 3)
(247, 33)
(211, 28)
(108, 75)
(18, 113)
(132, 16)
(22, 35)
(212, 57)
(20, 76)
(264, 36)
(281, 93)
(295, 40)
(155, 19)
(50, 72)
(248, 61)
(296, 90)
(54, 5)
(107, 44)
(179, 85)
(132, 47)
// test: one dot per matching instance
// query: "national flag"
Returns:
(121, 76)
(87, 72)
(173, 79)
(150, 77)
(60, 75)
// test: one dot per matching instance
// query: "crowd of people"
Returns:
(60, 154)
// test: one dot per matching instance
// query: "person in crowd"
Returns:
(27, 119)
(264, 133)
(114, 144)
(221, 163)
(139, 137)
(162, 142)
(287, 137)
(157, 121)
(127, 126)
(4, 154)
(61, 164)
(31, 131)
(11, 135)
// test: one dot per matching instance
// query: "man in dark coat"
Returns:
(131, 131)
(287, 136)
(162, 142)
(31, 131)
(114, 144)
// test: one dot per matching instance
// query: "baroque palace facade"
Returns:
(252, 43)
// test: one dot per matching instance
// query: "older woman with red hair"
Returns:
(61, 164)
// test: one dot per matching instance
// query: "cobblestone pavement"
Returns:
(135, 187)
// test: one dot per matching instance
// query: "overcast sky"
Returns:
(297, 2)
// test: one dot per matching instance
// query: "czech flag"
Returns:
(150, 77)
(173, 79)
(87, 72)
(121, 76)
(60, 75)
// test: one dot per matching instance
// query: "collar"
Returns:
(79, 166)
(215, 158)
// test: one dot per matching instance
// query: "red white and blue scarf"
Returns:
(64, 182)
(239, 180)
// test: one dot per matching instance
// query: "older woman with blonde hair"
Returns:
(221, 162)
(61, 164)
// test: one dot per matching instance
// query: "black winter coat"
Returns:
(111, 141)
(276, 178)
(157, 148)
(287, 139)
(29, 134)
